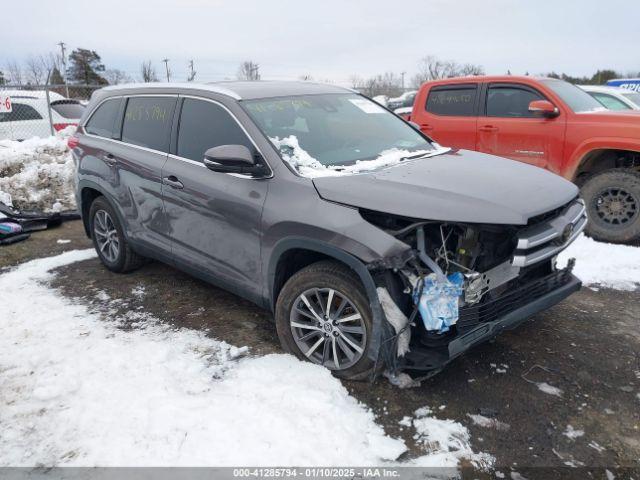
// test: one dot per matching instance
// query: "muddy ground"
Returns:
(588, 346)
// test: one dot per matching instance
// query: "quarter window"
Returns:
(102, 122)
(511, 101)
(147, 122)
(458, 101)
(204, 125)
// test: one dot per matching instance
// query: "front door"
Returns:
(510, 130)
(214, 218)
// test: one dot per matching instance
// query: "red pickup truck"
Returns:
(551, 124)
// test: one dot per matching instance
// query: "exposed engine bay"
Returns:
(459, 276)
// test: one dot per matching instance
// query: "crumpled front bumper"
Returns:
(488, 320)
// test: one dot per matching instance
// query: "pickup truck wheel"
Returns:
(114, 251)
(612, 198)
(323, 316)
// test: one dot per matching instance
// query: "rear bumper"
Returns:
(503, 315)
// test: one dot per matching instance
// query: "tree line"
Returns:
(85, 66)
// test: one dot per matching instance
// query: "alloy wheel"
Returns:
(328, 328)
(106, 236)
(616, 206)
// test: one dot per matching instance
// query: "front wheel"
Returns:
(323, 316)
(612, 199)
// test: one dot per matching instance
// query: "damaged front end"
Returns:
(458, 285)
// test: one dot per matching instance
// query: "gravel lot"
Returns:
(587, 347)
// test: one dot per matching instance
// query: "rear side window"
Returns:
(147, 122)
(20, 112)
(609, 101)
(204, 125)
(510, 101)
(103, 120)
(68, 108)
(458, 101)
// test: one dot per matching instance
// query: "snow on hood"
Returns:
(37, 173)
(307, 166)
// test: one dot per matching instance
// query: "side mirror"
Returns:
(544, 108)
(231, 159)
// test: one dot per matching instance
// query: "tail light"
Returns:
(73, 142)
(62, 126)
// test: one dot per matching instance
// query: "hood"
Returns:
(459, 186)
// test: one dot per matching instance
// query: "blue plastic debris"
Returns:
(437, 301)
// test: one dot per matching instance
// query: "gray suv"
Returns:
(374, 247)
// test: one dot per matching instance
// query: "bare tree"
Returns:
(39, 69)
(148, 72)
(115, 76)
(432, 68)
(14, 71)
(248, 70)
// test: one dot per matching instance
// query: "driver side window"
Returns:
(510, 101)
(204, 125)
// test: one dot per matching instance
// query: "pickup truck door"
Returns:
(508, 129)
(449, 115)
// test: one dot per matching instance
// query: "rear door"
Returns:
(449, 115)
(214, 218)
(509, 130)
(137, 162)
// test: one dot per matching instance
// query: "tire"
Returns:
(321, 278)
(102, 219)
(612, 199)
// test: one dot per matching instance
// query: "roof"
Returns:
(32, 94)
(603, 88)
(241, 90)
(490, 78)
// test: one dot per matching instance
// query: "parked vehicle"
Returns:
(626, 83)
(548, 123)
(614, 98)
(371, 245)
(404, 100)
(29, 116)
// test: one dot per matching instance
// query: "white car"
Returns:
(614, 98)
(29, 115)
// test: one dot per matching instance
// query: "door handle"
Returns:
(426, 126)
(109, 159)
(173, 182)
(488, 128)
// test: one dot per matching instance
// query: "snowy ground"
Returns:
(37, 173)
(604, 264)
(82, 387)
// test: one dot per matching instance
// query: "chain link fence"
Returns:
(28, 111)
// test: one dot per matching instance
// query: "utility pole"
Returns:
(64, 67)
(166, 66)
(192, 73)
(402, 75)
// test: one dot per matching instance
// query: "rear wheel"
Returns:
(612, 199)
(108, 238)
(323, 316)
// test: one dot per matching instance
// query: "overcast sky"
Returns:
(330, 39)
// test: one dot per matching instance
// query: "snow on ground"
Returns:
(572, 433)
(37, 173)
(487, 422)
(308, 166)
(604, 264)
(549, 389)
(81, 387)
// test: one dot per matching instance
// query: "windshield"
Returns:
(633, 96)
(334, 131)
(577, 99)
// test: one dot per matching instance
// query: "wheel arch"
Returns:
(595, 158)
(88, 192)
(305, 251)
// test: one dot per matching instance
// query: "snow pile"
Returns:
(445, 441)
(37, 173)
(77, 390)
(604, 264)
(307, 166)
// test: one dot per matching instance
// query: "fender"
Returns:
(597, 143)
(353, 262)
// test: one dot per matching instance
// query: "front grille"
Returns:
(493, 308)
